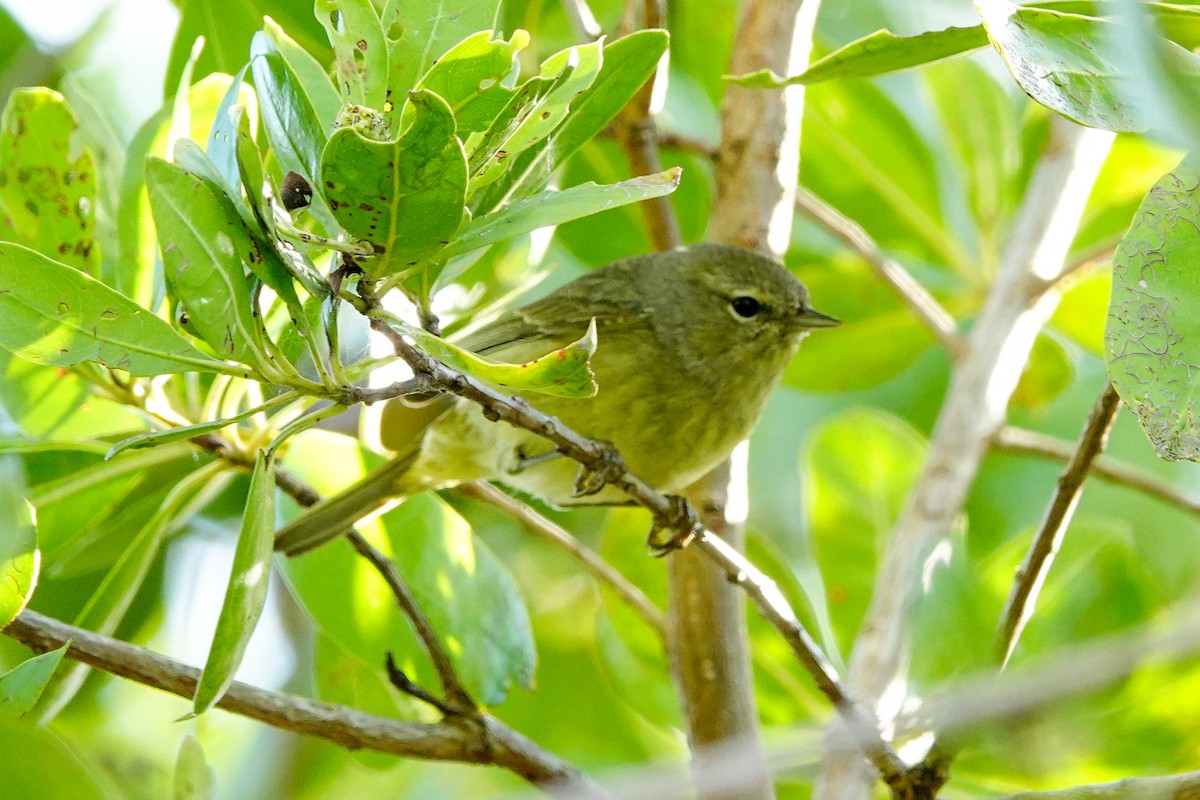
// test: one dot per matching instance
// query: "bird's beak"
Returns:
(809, 318)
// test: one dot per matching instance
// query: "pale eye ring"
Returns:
(745, 306)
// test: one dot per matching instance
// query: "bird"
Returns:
(691, 343)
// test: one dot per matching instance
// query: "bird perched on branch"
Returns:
(691, 343)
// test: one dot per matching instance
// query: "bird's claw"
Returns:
(674, 529)
(594, 478)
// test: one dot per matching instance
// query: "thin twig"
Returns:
(582, 19)
(455, 693)
(556, 535)
(347, 727)
(669, 514)
(1032, 572)
(915, 296)
(1185, 786)
(1023, 442)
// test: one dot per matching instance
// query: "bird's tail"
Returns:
(335, 516)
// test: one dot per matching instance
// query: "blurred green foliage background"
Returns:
(933, 164)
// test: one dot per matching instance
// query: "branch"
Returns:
(917, 297)
(458, 700)
(1018, 304)
(1032, 572)
(1023, 442)
(556, 535)
(1185, 786)
(669, 514)
(493, 743)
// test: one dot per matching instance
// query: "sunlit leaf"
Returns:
(419, 31)
(555, 208)
(876, 53)
(1047, 374)
(475, 79)
(56, 315)
(565, 372)
(247, 591)
(47, 188)
(19, 554)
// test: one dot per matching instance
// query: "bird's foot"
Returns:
(524, 462)
(594, 478)
(674, 529)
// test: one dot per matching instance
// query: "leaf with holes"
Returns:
(419, 31)
(1152, 341)
(47, 194)
(403, 196)
(360, 50)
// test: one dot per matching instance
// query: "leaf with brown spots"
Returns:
(403, 196)
(47, 191)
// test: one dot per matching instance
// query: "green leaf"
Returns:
(19, 555)
(876, 53)
(452, 574)
(573, 71)
(555, 208)
(1154, 315)
(310, 74)
(107, 606)
(294, 129)
(566, 372)
(247, 591)
(1081, 314)
(419, 31)
(857, 470)
(404, 196)
(360, 50)
(226, 27)
(206, 251)
(59, 404)
(626, 65)
(53, 314)
(475, 78)
(47, 191)
(1074, 65)
(21, 686)
(193, 776)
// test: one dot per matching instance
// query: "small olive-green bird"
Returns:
(690, 344)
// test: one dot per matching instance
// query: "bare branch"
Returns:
(556, 535)
(456, 694)
(916, 296)
(1185, 786)
(492, 742)
(583, 20)
(1032, 572)
(1023, 442)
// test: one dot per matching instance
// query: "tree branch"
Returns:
(556, 535)
(915, 296)
(1023, 442)
(1032, 572)
(1017, 306)
(492, 742)
(1185, 786)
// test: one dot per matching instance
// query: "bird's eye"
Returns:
(745, 307)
